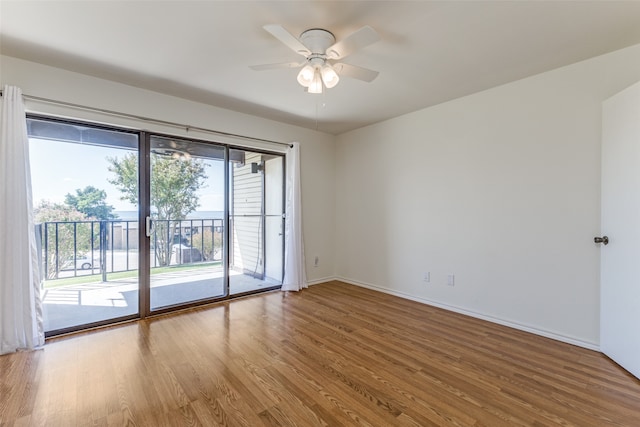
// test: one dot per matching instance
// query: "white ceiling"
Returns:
(429, 52)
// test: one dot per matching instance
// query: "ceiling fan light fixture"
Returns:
(320, 49)
(316, 83)
(329, 76)
(306, 75)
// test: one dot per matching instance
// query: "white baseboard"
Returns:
(318, 281)
(503, 322)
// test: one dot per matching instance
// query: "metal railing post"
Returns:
(57, 252)
(75, 249)
(103, 250)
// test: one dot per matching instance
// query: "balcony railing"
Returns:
(78, 248)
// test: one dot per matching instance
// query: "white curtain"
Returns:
(295, 276)
(21, 324)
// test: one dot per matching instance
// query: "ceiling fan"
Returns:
(320, 49)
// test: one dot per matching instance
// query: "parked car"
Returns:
(83, 262)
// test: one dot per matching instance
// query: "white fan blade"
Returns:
(354, 41)
(278, 66)
(288, 39)
(355, 72)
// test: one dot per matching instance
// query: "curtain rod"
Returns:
(148, 119)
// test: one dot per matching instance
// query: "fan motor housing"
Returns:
(317, 40)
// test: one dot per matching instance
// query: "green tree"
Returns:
(92, 202)
(174, 187)
(65, 236)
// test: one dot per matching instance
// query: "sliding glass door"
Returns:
(88, 229)
(256, 221)
(187, 222)
(132, 223)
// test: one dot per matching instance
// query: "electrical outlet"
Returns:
(451, 280)
(426, 277)
(316, 262)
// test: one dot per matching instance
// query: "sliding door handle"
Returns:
(148, 226)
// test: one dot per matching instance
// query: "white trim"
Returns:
(323, 280)
(492, 319)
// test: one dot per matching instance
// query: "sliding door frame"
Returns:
(144, 210)
(114, 320)
(263, 216)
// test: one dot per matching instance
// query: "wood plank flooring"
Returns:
(332, 355)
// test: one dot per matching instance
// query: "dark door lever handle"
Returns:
(603, 239)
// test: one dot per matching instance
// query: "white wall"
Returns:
(500, 188)
(317, 149)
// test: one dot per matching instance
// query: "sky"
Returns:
(59, 168)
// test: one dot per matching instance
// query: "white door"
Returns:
(620, 259)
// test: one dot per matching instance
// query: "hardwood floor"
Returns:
(332, 355)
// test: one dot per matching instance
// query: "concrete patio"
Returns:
(79, 304)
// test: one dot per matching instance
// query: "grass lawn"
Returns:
(97, 278)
